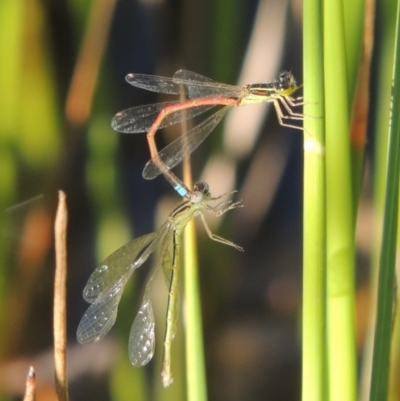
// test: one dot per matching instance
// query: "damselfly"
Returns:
(203, 94)
(106, 284)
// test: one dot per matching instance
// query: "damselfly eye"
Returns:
(202, 187)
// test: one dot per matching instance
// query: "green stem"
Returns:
(195, 365)
(383, 330)
(340, 217)
(314, 386)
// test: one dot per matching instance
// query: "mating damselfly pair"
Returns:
(105, 286)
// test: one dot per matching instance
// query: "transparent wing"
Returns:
(198, 86)
(100, 316)
(142, 335)
(174, 153)
(141, 118)
(120, 264)
(166, 263)
(154, 83)
(193, 85)
(105, 286)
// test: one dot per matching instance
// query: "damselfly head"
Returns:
(286, 84)
(202, 187)
(200, 191)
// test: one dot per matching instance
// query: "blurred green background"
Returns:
(62, 75)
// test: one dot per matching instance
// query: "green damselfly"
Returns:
(106, 284)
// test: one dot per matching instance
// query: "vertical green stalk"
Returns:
(12, 25)
(384, 45)
(340, 218)
(196, 382)
(195, 365)
(383, 330)
(314, 384)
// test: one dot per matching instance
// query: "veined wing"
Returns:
(141, 118)
(197, 86)
(101, 314)
(154, 83)
(142, 334)
(166, 264)
(119, 264)
(174, 153)
(193, 85)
